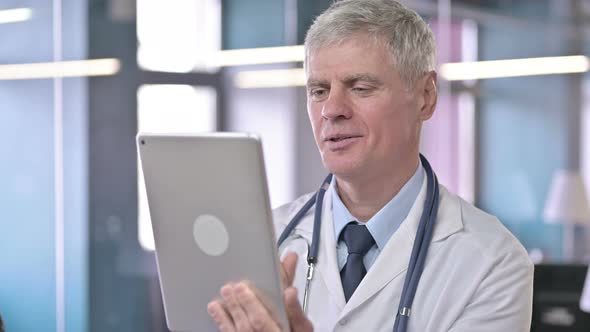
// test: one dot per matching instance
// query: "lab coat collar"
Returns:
(393, 260)
(305, 227)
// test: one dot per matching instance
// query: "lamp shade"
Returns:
(567, 202)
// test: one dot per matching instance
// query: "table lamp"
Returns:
(585, 298)
(567, 204)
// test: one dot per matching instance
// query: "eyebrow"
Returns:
(348, 80)
(315, 83)
(363, 77)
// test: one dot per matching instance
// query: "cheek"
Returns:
(314, 114)
(391, 124)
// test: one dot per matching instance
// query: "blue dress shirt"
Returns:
(383, 224)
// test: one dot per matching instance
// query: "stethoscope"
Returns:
(419, 250)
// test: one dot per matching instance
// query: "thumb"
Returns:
(297, 320)
(288, 266)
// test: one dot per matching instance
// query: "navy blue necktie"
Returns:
(359, 241)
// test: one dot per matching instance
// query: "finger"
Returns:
(297, 319)
(239, 317)
(258, 315)
(288, 266)
(224, 322)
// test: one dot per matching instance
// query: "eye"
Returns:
(362, 90)
(318, 93)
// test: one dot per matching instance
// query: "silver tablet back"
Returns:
(212, 222)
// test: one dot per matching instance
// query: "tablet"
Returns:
(212, 222)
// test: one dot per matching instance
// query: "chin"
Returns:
(341, 167)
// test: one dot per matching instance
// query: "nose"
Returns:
(336, 106)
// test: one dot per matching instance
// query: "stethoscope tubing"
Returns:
(298, 216)
(419, 251)
(317, 222)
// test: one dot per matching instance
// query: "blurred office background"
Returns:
(79, 78)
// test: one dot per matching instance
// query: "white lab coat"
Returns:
(477, 276)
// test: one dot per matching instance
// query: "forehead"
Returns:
(354, 55)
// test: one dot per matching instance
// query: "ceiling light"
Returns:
(96, 67)
(15, 15)
(514, 67)
(263, 55)
(270, 78)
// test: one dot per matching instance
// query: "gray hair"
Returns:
(408, 37)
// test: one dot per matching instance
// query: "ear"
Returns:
(429, 93)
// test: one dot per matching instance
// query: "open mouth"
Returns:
(337, 139)
(340, 138)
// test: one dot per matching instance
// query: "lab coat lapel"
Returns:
(448, 220)
(327, 266)
(393, 260)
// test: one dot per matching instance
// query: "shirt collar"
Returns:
(387, 220)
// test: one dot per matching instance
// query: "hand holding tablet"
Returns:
(241, 309)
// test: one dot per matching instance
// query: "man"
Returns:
(371, 84)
